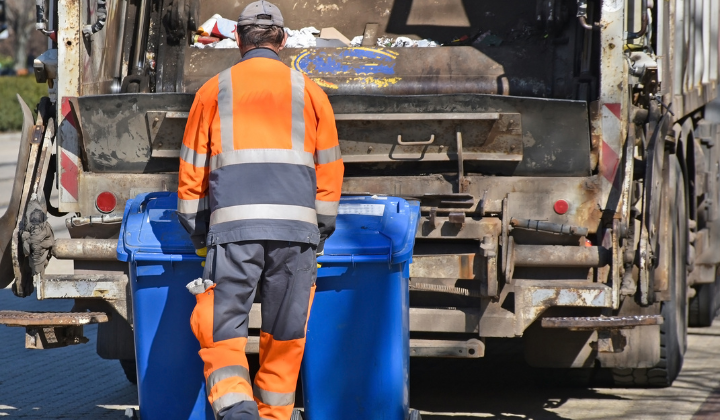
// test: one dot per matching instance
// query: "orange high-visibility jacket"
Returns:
(260, 158)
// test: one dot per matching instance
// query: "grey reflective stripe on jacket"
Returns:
(194, 216)
(328, 155)
(326, 210)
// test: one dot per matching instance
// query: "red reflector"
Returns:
(561, 207)
(106, 202)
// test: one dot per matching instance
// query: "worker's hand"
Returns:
(202, 252)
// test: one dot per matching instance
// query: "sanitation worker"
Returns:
(259, 186)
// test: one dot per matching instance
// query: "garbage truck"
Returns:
(564, 153)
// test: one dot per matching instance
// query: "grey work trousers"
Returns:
(284, 272)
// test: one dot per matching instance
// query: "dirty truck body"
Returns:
(564, 155)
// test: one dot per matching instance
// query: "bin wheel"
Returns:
(128, 366)
(296, 415)
(414, 415)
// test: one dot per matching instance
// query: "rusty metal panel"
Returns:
(532, 298)
(76, 286)
(457, 266)
(443, 228)
(559, 149)
(493, 189)
(401, 140)
(124, 186)
(132, 133)
(461, 320)
(583, 206)
(116, 131)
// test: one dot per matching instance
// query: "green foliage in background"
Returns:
(6, 62)
(30, 90)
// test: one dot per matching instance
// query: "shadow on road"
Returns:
(500, 386)
(65, 383)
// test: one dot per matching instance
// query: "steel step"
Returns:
(47, 330)
(601, 322)
(50, 319)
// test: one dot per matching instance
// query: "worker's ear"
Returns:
(283, 41)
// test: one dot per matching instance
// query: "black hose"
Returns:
(101, 13)
(644, 22)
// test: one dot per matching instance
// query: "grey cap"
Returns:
(261, 13)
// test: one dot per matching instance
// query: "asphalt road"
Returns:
(74, 383)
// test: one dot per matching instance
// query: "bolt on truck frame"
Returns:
(564, 153)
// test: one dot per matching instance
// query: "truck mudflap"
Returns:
(9, 220)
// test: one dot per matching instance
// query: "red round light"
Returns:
(561, 207)
(106, 202)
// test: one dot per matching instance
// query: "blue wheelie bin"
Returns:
(357, 353)
(162, 261)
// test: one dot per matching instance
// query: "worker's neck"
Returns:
(260, 52)
(262, 47)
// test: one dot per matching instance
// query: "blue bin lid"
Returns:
(370, 229)
(382, 227)
(151, 230)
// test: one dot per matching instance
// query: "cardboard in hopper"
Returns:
(331, 37)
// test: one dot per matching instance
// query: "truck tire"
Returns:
(128, 366)
(703, 307)
(673, 331)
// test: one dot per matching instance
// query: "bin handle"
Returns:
(353, 259)
(142, 256)
(415, 143)
(152, 196)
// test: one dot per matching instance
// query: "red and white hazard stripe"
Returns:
(68, 156)
(613, 98)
